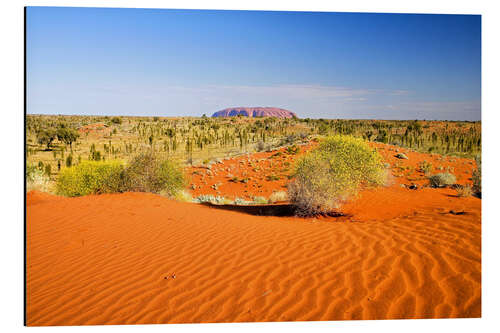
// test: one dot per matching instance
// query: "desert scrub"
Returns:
(91, 177)
(442, 179)
(425, 167)
(279, 196)
(147, 173)
(476, 177)
(36, 179)
(464, 191)
(332, 173)
(258, 200)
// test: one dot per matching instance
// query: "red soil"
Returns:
(111, 259)
(257, 167)
(97, 128)
(254, 168)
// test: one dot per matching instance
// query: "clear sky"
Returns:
(110, 61)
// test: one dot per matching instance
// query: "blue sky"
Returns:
(110, 61)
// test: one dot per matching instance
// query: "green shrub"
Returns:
(91, 177)
(442, 179)
(332, 173)
(116, 120)
(147, 173)
(425, 167)
(293, 150)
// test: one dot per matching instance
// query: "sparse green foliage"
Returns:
(147, 173)
(67, 135)
(46, 137)
(332, 173)
(425, 167)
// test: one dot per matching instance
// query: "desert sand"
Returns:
(138, 258)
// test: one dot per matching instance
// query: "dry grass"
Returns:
(464, 191)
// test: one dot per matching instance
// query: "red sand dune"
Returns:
(138, 258)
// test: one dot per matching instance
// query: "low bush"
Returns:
(36, 179)
(464, 191)
(147, 173)
(261, 146)
(91, 177)
(279, 196)
(260, 200)
(442, 179)
(332, 173)
(401, 156)
(425, 167)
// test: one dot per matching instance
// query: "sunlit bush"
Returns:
(147, 173)
(36, 179)
(91, 177)
(442, 179)
(333, 173)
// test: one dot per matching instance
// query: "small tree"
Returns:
(67, 135)
(45, 137)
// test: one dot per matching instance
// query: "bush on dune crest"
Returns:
(144, 173)
(332, 173)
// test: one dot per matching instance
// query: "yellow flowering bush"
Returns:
(91, 177)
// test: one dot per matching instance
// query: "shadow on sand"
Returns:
(264, 210)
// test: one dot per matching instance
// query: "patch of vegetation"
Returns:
(293, 150)
(36, 178)
(332, 173)
(258, 200)
(146, 172)
(425, 167)
(401, 156)
(116, 120)
(442, 179)
(279, 196)
(464, 191)
(91, 177)
(476, 177)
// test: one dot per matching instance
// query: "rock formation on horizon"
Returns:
(255, 112)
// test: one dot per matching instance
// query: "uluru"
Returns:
(255, 112)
